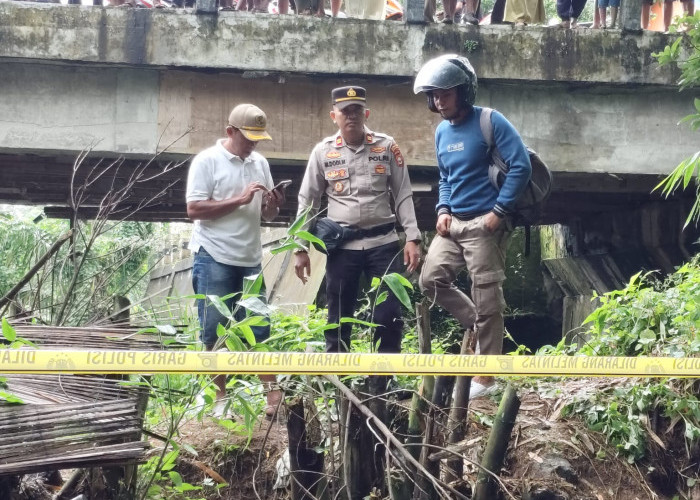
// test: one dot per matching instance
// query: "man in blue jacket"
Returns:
(473, 224)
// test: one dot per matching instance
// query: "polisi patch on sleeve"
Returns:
(397, 154)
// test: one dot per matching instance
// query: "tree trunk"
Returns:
(306, 464)
(388, 437)
(358, 452)
(497, 445)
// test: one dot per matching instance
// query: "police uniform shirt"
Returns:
(358, 181)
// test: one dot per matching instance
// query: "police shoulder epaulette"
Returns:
(379, 135)
(330, 138)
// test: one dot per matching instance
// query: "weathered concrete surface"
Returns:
(598, 254)
(239, 41)
(73, 107)
(132, 81)
(139, 110)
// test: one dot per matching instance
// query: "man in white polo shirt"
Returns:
(229, 189)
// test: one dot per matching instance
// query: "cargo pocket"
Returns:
(379, 178)
(487, 292)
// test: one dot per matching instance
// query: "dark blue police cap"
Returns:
(345, 96)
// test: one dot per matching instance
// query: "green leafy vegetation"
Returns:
(684, 52)
(651, 318)
(80, 282)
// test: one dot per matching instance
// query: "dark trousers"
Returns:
(343, 271)
(498, 11)
(568, 9)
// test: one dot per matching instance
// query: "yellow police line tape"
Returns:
(148, 362)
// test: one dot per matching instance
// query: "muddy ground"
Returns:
(549, 457)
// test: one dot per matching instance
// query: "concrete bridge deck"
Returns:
(129, 82)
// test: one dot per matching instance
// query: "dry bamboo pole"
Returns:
(442, 394)
(359, 470)
(419, 405)
(458, 421)
(497, 445)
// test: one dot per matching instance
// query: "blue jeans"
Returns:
(213, 278)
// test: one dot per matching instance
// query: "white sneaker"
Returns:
(478, 390)
(199, 401)
(219, 409)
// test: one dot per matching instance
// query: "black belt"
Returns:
(468, 217)
(375, 231)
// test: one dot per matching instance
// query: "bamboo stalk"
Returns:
(457, 423)
(497, 444)
(306, 464)
(442, 393)
(419, 403)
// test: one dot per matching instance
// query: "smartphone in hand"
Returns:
(282, 185)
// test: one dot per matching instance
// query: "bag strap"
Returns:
(496, 164)
(487, 131)
(487, 127)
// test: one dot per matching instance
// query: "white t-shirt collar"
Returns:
(228, 154)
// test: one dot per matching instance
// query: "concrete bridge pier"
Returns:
(601, 252)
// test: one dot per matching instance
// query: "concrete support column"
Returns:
(631, 15)
(414, 11)
(207, 6)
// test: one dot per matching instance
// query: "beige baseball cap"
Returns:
(251, 121)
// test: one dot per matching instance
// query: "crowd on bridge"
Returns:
(532, 12)
(515, 12)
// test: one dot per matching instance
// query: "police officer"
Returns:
(360, 171)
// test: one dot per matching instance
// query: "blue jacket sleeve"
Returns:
(515, 154)
(444, 189)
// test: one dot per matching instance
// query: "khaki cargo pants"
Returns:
(483, 253)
